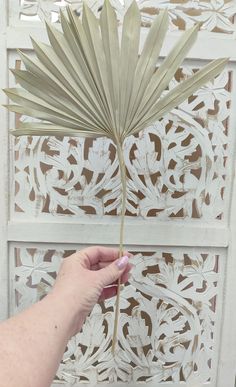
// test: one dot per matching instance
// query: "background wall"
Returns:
(177, 325)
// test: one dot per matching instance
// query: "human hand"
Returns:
(89, 276)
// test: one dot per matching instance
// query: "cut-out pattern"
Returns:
(35, 10)
(213, 15)
(175, 169)
(167, 325)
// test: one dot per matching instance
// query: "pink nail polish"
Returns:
(122, 262)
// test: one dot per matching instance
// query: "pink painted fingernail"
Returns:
(122, 262)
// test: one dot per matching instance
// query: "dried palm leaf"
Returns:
(87, 83)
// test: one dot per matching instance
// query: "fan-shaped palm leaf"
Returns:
(87, 83)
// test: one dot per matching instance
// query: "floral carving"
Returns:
(213, 15)
(176, 168)
(168, 320)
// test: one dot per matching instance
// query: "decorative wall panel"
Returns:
(176, 169)
(168, 324)
(213, 15)
(171, 330)
(36, 10)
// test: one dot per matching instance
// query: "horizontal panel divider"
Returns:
(151, 383)
(142, 233)
(210, 45)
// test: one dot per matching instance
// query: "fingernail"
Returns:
(122, 262)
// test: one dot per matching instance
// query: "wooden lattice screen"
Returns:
(61, 194)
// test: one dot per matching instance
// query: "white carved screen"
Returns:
(177, 312)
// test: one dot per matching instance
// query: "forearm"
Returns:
(33, 342)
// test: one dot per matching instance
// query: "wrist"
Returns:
(67, 311)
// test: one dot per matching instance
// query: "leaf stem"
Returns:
(121, 160)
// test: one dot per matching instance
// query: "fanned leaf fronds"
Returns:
(87, 80)
(88, 83)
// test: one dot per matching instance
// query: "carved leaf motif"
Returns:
(36, 268)
(167, 326)
(214, 15)
(176, 169)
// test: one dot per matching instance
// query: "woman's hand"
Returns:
(35, 339)
(89, 276)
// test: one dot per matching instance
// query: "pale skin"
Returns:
(33, 342)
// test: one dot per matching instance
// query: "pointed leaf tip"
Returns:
(85, 7)
(134, 6)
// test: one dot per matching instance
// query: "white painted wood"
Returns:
(143, 233)
(227, 361)
(4, 168)
(207, 45)
(33, 264)
(231, 148)
(227, 364)
(152, 384)
(53, 185)
(44, 232)
(212, 15)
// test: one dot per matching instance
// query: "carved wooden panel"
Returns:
(169, 323)
(177, 168)
(213, 15)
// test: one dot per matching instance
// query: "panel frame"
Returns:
(165, 233)
(227, 364)
(4, 170)
(216, 231)
(219, 310)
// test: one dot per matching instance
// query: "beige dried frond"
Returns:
(86, 83)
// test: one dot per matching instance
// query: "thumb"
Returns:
(113, 272)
